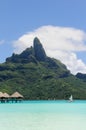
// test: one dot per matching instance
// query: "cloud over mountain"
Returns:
(59, 42)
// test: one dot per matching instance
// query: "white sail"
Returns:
(71, 98)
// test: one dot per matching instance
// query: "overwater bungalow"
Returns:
(16, 97)
(4, 97)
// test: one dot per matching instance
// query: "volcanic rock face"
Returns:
(36, 52)
(39, 50)
(33, 54)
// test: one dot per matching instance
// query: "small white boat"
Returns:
(71, 98)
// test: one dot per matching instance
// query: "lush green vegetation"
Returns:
(39, 79)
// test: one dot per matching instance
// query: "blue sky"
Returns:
(18, 17)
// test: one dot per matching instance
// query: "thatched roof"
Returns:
(1, 95)
(16, 95)
(6, 95)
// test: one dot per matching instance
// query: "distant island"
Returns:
(39, 77)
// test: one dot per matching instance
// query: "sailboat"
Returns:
(71, 98)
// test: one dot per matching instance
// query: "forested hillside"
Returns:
(37, 76)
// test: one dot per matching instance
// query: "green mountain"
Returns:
(37, 76)
(81, 76)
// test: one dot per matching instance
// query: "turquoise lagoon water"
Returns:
(43, 115)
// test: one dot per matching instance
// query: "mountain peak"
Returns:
(36, 40)
(39, 50)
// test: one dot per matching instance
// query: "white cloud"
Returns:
(59, 42)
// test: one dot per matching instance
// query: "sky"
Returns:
(59, 24)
